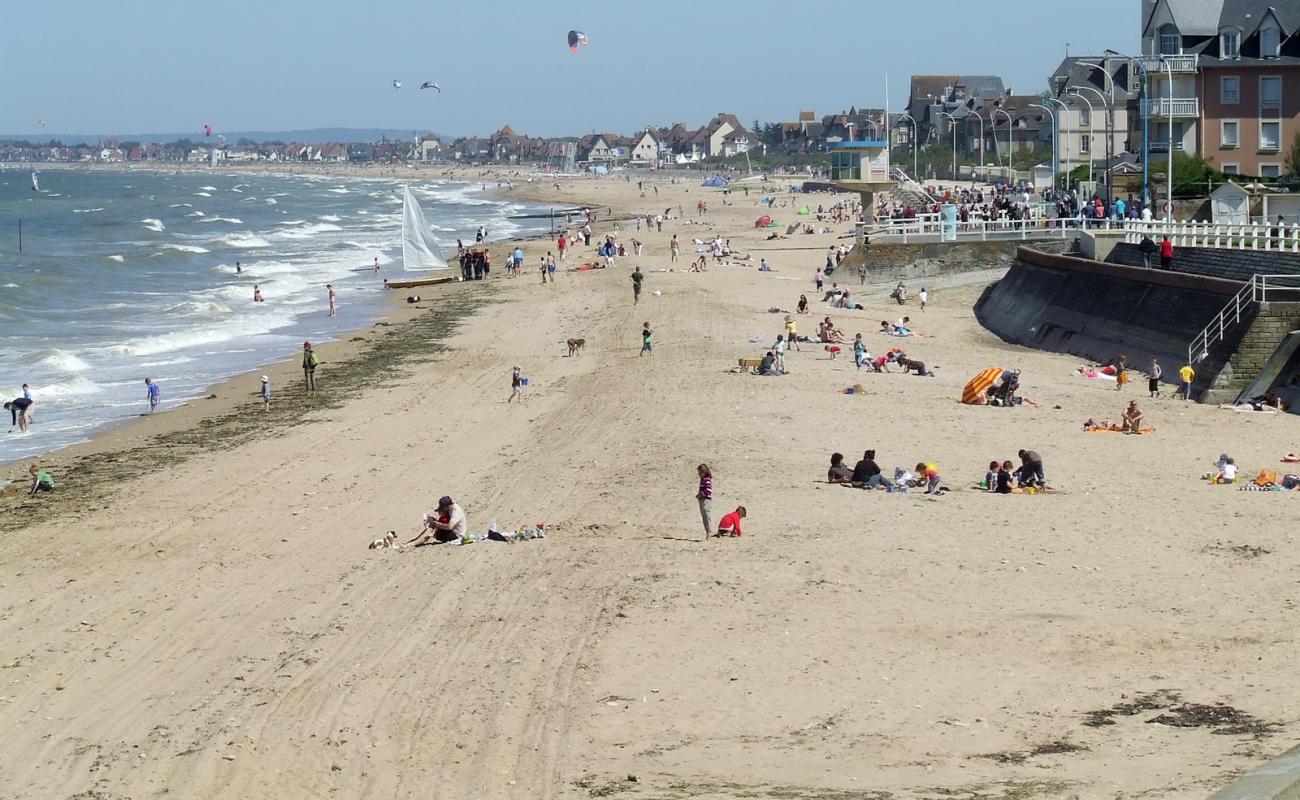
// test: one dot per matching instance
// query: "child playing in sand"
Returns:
(729, 525)
(833, 349)
(266, 393)
(42, 481)
(647, 339)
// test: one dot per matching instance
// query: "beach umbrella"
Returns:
(980, 384)
(763, 221)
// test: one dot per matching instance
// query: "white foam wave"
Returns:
(339, 190)
(61, 360)
(181, 205)
(231, 220)
(244, 241)
(307, 231)
(202, 194)
(208, 188)
(189, 308)
(329, 218)
(196, 214)
(11, 286)
(186, 248)
(154, 225)
(118, 259)
(86, 210)
(270, 201)
(71, 386)
(293, 222)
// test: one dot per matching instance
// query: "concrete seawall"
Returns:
(912, 262)
(1097, 311)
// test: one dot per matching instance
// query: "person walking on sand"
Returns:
(309, 363)
(1187, 375)
(155, 394)
(1153, 378)
(550, 267)
(266, 393)
(647, 339)
(674, 246)
(1121, 372)
(333, 303)
(562, 244)
(924, 297)
(791, 337)
(637, 278)
(705, 496)
(516, 387)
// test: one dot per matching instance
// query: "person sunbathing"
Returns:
(887, 327)
(1132, 419)
(830, 333)
(803, 305)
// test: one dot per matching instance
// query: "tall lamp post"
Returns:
(1063, 135)
(1011, 170)
(1146, 123)
(953, 121)
(901, 117)
(980, 120)
(1108, 80)
(1055, 155)
(1169, 174)
(1091, 131)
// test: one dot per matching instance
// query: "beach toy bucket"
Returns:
(523, 381)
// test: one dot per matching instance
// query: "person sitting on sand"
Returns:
(838, 473)
(990, 482)
(768, 366)
(42, 481)
(832, 293)
(447, 524)
(1031, 469)
(887, 327)
(867, 474)
(802, 308)
(830, 333)
(1227, 471)
(1002, 483)
(729, 525)
(1132, 418)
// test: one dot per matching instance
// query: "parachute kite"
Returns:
(207, 130)
(431, 85)
(42, 123)
(397, 84)
(577, 39)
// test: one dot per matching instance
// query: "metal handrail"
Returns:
(1258, 290)
(902, 177)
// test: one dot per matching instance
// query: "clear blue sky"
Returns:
(144, 66)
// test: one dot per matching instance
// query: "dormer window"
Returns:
(1229, 44)
(1171, 44)
(1269, 40)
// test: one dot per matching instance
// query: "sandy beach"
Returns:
(194, 611)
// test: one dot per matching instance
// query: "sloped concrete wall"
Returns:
(1096, 311)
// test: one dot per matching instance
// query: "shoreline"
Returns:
(239, 393)
(217, 396)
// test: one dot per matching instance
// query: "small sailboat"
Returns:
(36, 184)
(420, 250)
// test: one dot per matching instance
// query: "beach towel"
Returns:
(1115, 429)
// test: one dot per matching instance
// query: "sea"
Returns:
(131, 274)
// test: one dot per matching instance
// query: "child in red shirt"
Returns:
(729, 525)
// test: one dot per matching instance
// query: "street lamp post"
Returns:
(901, 117)
(1063, 136)
(1055, 155)
(1169, 174)
(1110, 116)
(1146, 123)
(1011, 170)
(953, 121)
(980, 120)
(1091, 132)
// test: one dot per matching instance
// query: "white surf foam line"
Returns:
(231, 220)
(186, 248)
(154, 225)
(243, 241)
(118, 259)
(86, 210)
(208, 188)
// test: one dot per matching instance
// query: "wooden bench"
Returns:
(751, 364)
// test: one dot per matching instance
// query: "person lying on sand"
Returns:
(447, 524)
(1132, 418)
(1269, 403)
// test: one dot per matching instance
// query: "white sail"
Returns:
(36, 185)
(420, 250)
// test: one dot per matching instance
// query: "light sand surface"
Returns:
(219, 629)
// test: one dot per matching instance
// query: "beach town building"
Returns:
(645, 147)
(932, 97)
(594, 148)
(429, 148)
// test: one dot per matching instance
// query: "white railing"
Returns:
(929, 228)
(1260, 289)
(1254, 236)
(1177, 63)
(1164, 106)
(911, 185)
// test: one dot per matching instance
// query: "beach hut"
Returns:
(1230, 205)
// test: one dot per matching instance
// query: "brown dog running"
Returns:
(575, 346)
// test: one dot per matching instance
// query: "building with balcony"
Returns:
(1098, 92)
(1226, 75)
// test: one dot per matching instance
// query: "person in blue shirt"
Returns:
(155, 394)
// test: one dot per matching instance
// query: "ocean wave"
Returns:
(307, 231)
(181, 205)
(196, 214)
(60, 360)
(339, 190)
(202, 194)
(231, 220)
(11, 286)
(154, 225)
(208, 188)
(186, 248)
(270, 201)
(190, 308)
(86, 210)
(292, 222)
(69, 386)
(329, 218)
(118, 259)
(244, 241)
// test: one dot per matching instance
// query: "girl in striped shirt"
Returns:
(705, 496)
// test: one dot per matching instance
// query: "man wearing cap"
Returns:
(447, 525)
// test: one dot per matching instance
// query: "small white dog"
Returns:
(388, 542)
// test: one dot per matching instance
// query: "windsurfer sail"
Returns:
(36, 184)
(420, 250)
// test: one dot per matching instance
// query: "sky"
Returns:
(147, 66)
